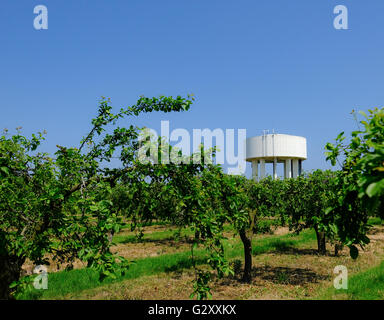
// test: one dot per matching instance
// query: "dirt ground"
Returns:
(132, 250)
(296, 273)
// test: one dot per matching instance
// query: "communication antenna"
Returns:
(265, 132)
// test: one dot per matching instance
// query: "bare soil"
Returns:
(296, 273)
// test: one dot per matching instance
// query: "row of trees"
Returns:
(60, 206)
(69, 206)
(206, 199)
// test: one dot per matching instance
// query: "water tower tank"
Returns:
(276, 148)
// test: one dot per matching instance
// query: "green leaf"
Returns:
(94, 208)
(5, 170)
(375, 188)
(340, 135)
(334, 228)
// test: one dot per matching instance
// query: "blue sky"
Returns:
(251, 64)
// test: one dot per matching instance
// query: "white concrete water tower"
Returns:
(276, 148)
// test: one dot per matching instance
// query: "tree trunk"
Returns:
(247, 243)
(321, 243)
(338, 248)
(10, 269)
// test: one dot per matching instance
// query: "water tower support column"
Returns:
(295, 168)
(262, 169)
(255, 173)
(287, 169)
(274, 169)
(300, 167)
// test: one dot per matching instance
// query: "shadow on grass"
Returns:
(287, 247)
(285, 275)
(166, 241)
(63, 283)
(184, 264)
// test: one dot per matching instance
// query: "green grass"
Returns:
(375, 221)
(148, 224)
(154, 236)
(71, 282)
(172, 234)
(66, 282)
(283, 243)
(366, 285)
(271, 243)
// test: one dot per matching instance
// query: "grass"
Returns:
(173, 233)
(375, 221)
(277, 272)
(283, 243)
(71, 282)
(66, 282)
(148, 224)
(271, 243)
(366, 285)
(155, 236)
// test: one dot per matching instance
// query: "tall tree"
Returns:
(49, 206)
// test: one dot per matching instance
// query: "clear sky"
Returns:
(256, 64)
